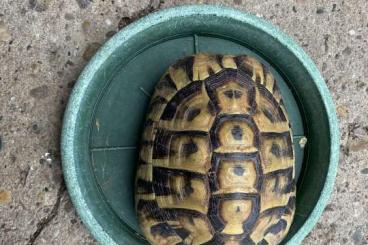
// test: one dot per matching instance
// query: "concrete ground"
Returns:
(44, 45)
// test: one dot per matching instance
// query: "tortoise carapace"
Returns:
(216, 164)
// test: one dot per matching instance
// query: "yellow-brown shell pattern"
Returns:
(216, 164)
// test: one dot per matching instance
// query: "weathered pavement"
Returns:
(44, 45)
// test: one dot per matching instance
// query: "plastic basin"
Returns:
(104, 116)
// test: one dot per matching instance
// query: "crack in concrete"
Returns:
(46, 220)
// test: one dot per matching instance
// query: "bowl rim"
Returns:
(74, 103)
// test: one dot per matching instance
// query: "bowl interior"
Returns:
(112, 107)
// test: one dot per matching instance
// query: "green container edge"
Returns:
(72, 110)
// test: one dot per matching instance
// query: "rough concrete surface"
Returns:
(44, 45)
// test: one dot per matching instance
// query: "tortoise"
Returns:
(216, 163)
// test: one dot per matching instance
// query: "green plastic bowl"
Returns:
(103, 120)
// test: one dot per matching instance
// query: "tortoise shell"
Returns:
(216, 164)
